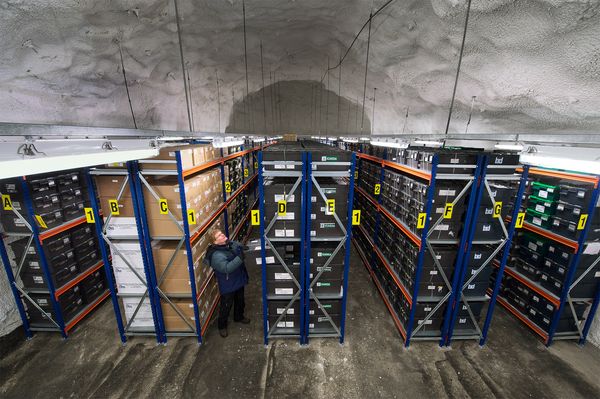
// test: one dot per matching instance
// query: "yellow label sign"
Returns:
(6, 202)
(356, 217)
(227, 187)
(246, 172)
(254, 217)
(255, 165)
(114, 207)
(191, 216)
(164, 206)
(89, 215)
(377, 190)
(497, 209)
(330, 207)
(582, 221)
(448, 210)
(281, 208)
(41, 221)
(356, 175)
(421, 220)
(520, 220)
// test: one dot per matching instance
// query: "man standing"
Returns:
(227, 259)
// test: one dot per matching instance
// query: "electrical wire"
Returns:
(262, 74)
(460, 57)
(372, 15)
(362, 119)
(126, 85)
(246, 62)
(185, 86)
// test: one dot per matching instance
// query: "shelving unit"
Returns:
(55, 274)
(170, 240)
(436, 227)
(547, 269)
(304, 273)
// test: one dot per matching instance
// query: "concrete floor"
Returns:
(372, 363)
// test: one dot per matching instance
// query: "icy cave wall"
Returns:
(531, 65)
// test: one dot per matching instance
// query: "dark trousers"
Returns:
(235, 299)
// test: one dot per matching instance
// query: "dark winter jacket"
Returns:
(228, 263)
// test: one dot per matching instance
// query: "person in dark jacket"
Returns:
(227, 260)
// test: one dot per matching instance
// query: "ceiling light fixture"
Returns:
(509, 147)
(224, 144)
(389, 144)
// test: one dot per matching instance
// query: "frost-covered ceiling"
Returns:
(531, 65)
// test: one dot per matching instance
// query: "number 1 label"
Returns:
(255, 217)
(356, 217)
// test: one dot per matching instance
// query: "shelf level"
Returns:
(563, 175)
(218, 161)
(62, 228)
(530, 284)
(388, 268)
(78, 279)
(411, 236)
(523, 318)
(212, 311)
(86, 311)
(386, 300)
(421, 174)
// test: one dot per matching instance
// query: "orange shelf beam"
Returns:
(63, 227)
(218, 161)
(415, 239)
(91, 307)
(387, 266)
(523, 318)
(563, 175)
(408, 170)
(402, 168)
(555, 237)
(212, 311)
(381, 292)
(530, 284)
(77, 279)
(411, 236)
(205, 285)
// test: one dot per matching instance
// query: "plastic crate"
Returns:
(538, 219)
(546, 191)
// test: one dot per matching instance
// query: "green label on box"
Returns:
(328, 158)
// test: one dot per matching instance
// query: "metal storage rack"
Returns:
(576, 249)
(137, 180)
(35, 238)
(303, 173)
(479, 259)
(404, 305)
(102, 228)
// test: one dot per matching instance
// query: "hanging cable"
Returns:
(405, 120)
(246, 105)
(185, 86)
(233, 108)
(339, 97)
(218, 101)
(126, 85)
(362, 120)
(373, 117)
(358, 34)
(470, 113)
(460, 56)
(191, 101)
(327, 104)
(262, 74)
